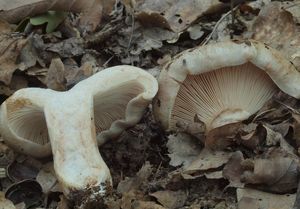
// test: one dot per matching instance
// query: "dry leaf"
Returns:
(265, 200)
(207, 162)
(5, 27)
(10, 48)
(139, 204)
(176, 15)
(183, 149)
(248, 203)
(63, 203)
(272, 22)
(222, 137)
(92, 10)
(5, 203)
(55, 78)
(276, 171)
(47, 179)
(273, 138)
(233, 170)
(170, 199)
(67, 48)
(133, 183)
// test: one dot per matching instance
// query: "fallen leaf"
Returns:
(51, 18)
(276, 171)
(207, 161)
(139, 204)
(63, 203)
(55, 77)
(250, 136)
(10, 48)
(67, 48)
(183, 149)
(133, 183)
(170, 199)
(272, 22)
(273, 138)
(175, 15)
(5, 27)
(20, 205)
(47, 179)
(92, 10)
(222, 137)
(248, 203)
(5, 203)
(233, 170)
(265, 200)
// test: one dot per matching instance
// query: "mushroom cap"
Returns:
(120, 96)
(221, 83)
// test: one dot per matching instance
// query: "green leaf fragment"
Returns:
(52, 18)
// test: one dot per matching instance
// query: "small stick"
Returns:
(217, 25)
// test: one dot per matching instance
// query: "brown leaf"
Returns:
(5, 203)
(176, 15)
(7, 155)
(55, 78)
(130, 184)
(233, 170)
(63, 203)
(91, 17)
(248, 203)
(272, 22)
(145, 205)
(207, 162)
(170, 199)
(5, 27)
(183, 149)
(264, 200)
(47, 179)
(273, 138)
(276, 171)
(221, 137)
(249, 136)
(14, 10)
(67, 48)
(10, 48)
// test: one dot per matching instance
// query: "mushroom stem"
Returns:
(78, 164)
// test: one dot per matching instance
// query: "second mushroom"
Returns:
(221, 83)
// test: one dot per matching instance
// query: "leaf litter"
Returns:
(253, 164)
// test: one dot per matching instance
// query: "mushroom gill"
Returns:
(222, 96)
(28, 122)
(111, 106)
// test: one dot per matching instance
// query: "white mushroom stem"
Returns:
(77, 161)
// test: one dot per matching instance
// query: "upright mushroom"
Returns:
(106, 103)
(221, 83)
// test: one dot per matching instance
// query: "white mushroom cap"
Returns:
(221, 83)
(109, 102)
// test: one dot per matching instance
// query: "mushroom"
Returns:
(106, 103)
(220, 84)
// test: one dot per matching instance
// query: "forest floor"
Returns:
(256, 166)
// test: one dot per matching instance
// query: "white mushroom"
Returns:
(221, 83)
(107, 103)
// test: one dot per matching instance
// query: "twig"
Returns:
(132, 30)
(130, 38)
(287, 7)
(217, 25)
(297, 201)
